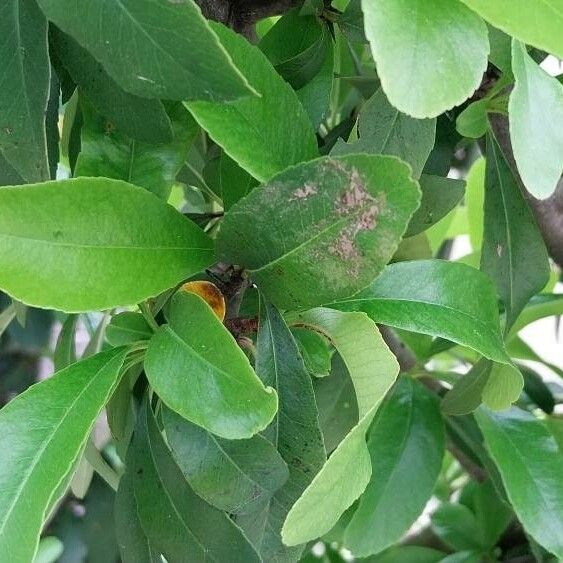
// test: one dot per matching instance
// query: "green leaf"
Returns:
(42, 433)
(24, 93)
(294, 432)
(529, 461)
(423, 296)
(139, 118)
(456, 525)
(8, 175)
(413, 248)
(65, 349)
(430, 56)
(49, 550)
(555, 426)
(153, 48)
(134, 545)
(315, 351)
(315, 97)
(127, 328)
(326, 228)
(226, 178)
(357, 340)
(500, 54)
(385, 130)
(496, 385)
(474, 201)
(536, 23)
(297, 46)
(121, 410)
(220, 390)
(503, 387)
(535, 112)
(345, 475)
(472, 121)
(513, 253)
(351, 22)
(91, 252)
(236, 476)
(336, 401)
(537, 389)
(466, 394)
(265, 134)
(539, 307)
(406, 445)
(175, 520)
(493, 514)
(6, 317)
(439, 197)
(107, 151)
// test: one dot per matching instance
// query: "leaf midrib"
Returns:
(342, 221)
(480, 322)
(522, 460)
(172, 503)
(99, 247)
(219, 371)
(42, 449)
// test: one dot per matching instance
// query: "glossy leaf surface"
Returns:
(233, 475)
(439, 196)
(406, 36)
(107, 151)
(139, 118)
(537, 23)
(43, 432)
(529, 461)
(175, 520)
(134, 545)
(198, 370)
(294, 431)
(24, 92)
(513, 252)
(536, 123)
(406, 445)
(345, 475)
(93, 253)
(423, 296)
(264, 134)
(385, 130)
(126, 328)
(496, 385)
(153, 48)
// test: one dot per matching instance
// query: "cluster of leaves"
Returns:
(304, 188)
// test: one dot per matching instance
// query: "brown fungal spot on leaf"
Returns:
(304, 192)
(210, 293)
(344, 247)
(355, 196)
(354, 201)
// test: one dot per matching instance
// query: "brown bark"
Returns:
(241, 15)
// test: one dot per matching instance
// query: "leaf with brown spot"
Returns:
(321, 230)
(210, 293)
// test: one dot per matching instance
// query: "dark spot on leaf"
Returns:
(355, 201)
(307, 190)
